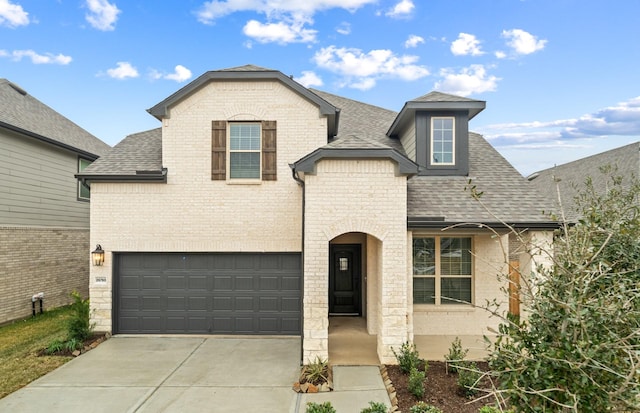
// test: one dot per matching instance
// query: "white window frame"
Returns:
(230, 151)
(80, 186)
(438, 272)
(453, 140)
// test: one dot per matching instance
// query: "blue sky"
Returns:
(561, 77)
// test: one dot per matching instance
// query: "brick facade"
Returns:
(54, 261)
(364, 196)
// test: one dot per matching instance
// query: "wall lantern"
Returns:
(97, 256)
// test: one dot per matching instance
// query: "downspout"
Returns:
(300, 182)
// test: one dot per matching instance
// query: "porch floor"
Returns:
(351, 345)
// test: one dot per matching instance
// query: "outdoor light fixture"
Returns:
(97, 256)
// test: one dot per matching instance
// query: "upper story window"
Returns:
(442, 270)
(443, 140)
(244, 150)
(83, 192)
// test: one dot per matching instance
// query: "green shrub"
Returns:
(55, 346)
(325, 407)
(456, 355)
(422, 407)
(407, 357)
(416, 382)
(72, 344)
(375, 407)
(492, 409)
(468, 377)
(78, 326)
(316, 372)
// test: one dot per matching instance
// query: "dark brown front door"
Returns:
(344, 279)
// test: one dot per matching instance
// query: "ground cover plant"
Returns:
(20, 343)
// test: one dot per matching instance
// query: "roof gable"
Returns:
(248, 72)
(22, 113)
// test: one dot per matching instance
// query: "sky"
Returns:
(561, 78)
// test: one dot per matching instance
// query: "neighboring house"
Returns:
(563, 182)
(263, 207)
(44, 211)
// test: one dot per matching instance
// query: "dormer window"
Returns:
(443, 144)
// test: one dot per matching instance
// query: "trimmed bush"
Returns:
(407, 357)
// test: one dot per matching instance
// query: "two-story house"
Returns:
(261, 207)
(44, 210)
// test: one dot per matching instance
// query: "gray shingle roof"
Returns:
(368, 122)
(20, 110)
(442, 97)
(138, 152)
(507, 195)
(573, 175)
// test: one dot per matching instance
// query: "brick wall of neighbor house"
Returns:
(464, 320)
(193, 213)
(356, 196)
(54, 261)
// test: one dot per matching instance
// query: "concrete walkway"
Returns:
(191, 374)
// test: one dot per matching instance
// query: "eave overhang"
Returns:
(414, 223)
(408, 112)
(139, 177)
(88, 155)
(308, 163)
(160, 110)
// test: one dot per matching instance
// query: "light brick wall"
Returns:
(356, 196)
(54, 261)
(193, 213)
(489, 275)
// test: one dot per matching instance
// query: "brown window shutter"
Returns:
(269, 164)
(218, 150)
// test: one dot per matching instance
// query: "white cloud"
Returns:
(12, 15)
(522, 42)
(500, 54)
(466, 44)
(344, 28)
(413, 41)
(403, 9)
(36, 58)
(362, 69)
(285, 19)
(180, 74)
(215, 9)
(472, 79)
(309, 79)
(620, 120)
(102, 14)
(123, 70)
(280, 32)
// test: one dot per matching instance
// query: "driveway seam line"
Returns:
(143, 402)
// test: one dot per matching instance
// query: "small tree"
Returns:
(579, 349)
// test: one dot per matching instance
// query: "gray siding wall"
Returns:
(48, 260)
(408, 140)
(37, 185)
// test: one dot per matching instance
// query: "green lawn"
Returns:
(20, 343)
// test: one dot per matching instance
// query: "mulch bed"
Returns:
(441, 390)
(89, 344)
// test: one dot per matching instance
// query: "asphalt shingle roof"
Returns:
(137, 152)
(507, 196)
(20, 110)
(571, 176)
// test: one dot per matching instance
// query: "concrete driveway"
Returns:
(167, 374)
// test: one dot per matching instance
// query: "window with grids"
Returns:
(244, 150)
(442, 270)
(442, 141)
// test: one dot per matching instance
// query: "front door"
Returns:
(344, 279)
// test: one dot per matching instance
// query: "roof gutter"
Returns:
(140, 176)
(90, 156)
(434, 223)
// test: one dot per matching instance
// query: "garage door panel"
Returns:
(216, 293)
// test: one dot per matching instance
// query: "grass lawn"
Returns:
(20, 343)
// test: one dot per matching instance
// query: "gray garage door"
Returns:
(193, 293)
